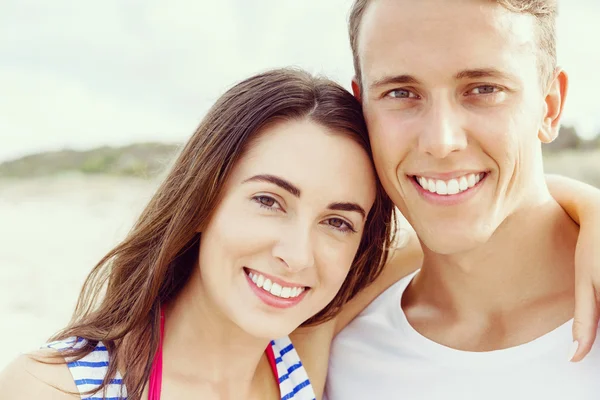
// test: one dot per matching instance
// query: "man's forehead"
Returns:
(467, 34)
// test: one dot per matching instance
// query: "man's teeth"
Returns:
(274, 288)
(453, 186)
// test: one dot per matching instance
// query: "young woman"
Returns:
(271, 219)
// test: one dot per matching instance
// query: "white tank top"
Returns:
(380, 356)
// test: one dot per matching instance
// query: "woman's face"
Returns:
(282, 239)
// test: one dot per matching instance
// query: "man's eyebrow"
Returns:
(394, 79)
(282, 183)
(475, 73)
(348, 207)
(482, 73)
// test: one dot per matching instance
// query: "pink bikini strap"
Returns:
(272, 361)
(155, 382)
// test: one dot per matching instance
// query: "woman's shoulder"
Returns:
(49, 373)
(293, 376)
(287, 360)
(88, 372)
(39, 375)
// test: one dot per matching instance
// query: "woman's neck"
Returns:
(203, 348)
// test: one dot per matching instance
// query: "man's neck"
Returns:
(510, 290)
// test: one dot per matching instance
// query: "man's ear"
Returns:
(555, 101)
(356, 89)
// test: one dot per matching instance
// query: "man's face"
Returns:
(452, 95)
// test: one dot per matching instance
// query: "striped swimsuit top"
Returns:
(88, 372)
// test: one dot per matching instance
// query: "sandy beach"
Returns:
(52, 232)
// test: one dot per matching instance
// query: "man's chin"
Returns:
(453, 241)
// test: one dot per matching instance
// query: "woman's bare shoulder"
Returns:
(37, 375)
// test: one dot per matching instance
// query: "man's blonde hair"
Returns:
(544, 11)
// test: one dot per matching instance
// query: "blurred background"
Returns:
(96, 96)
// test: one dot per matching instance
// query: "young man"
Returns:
(459, 97)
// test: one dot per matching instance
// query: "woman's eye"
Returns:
(402, 94)
(340, 224)
(266, 202)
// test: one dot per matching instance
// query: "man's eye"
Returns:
(486, 89)
(401, 94)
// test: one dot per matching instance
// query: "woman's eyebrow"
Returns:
(295, 191)
(348, 207)
(282, 183)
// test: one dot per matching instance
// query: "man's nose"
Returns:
(442, 132)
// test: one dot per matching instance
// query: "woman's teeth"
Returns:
(452, 186)
(274, 288)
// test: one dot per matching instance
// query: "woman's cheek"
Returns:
(335, 271)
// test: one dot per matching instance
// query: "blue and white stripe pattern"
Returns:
(293, 380)
(89, 372)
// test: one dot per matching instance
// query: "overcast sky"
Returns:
(82, 73)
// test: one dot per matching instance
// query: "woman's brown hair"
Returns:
(120, 300)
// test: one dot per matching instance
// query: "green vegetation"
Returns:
(568, 139)
(581, 165)
(144, 160)
(572, 156)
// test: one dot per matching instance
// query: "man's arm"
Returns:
(402, 262)
(313, 345)
(582, 203)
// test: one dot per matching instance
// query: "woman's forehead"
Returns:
(313, 158)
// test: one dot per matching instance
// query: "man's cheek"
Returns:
(392, 143)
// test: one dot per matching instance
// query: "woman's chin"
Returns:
(271, 330)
